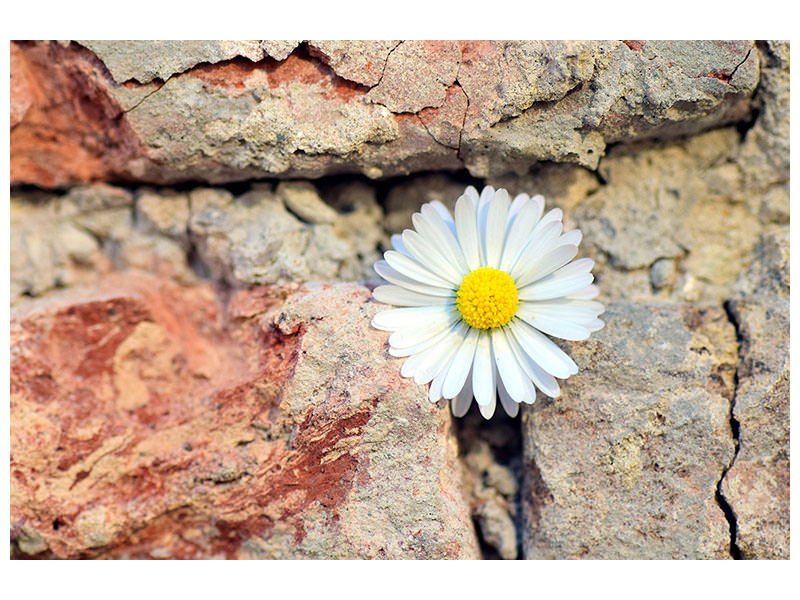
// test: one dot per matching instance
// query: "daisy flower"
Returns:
(478, 294)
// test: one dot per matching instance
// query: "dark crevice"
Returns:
(433, 137)
(386, 62)
(135, 106)
(504, 436)
(730, 515)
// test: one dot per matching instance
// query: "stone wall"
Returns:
(193, 226)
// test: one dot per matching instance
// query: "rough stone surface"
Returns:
(671, 157)
(361, 61)
(303, 200)
(146, 60)
(757, 484)
(59, 241)
(416, 76)
(626, 463)
(230, 111)
(275, 427)
(682, 207)
(163, 212)
(253, 239)
(493, 488)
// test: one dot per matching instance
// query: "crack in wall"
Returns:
(385, 63)
(727, 509)
(135, 106)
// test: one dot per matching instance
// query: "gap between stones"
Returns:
(724, 505)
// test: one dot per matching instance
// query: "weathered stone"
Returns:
(764, 156)
(60, 241)
(48, 251)
(446, 122)
(253, 239)
(146, 60)
(669, 203)
(147, 422)
(769, 271)
(360, 221)
(417, 75)
(625, 463)
(570, 99)
(164, 212)
(492, 488)
(71, 130)
(492, 107)
(757, 484)
(303, 200)
(662, 273)
(361, 61)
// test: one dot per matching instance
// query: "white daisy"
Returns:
(479, 293)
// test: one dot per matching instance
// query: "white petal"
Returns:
(543, 350)
(566, 330)
(594, 325)
(507, 402)
(573, 237)
(423, 317)
(517, 384)
(519, 234)
(429, 363)
(587, 293)
(430, 224)
(414, 270)
(472, 193)
(435, 391)
(467, 228)
(547, 263)
(487, 410)
(563, 282)
(541, 378)
(570, 310)
(394, 294)
(539, 199)
(460, 366)
(392, 275)
(543, 238)
(495, 233)
(397, 242)
(445, 214)
(487, 193)
(428, 254)
(460, 404)
(553, 215)
(484, 375)
(411, 340)
(519, 201)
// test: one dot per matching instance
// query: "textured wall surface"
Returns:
(193, 228)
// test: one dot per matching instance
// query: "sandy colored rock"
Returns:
(417, 75)
(150, 422)
(164, 212)
(361, 61)
(253, 239)
(145, 60)
(625, 464)
(569, 100)
(48, 251)
(303, 200)
(757, 485)
(210, 113)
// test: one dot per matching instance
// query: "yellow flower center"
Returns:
(487, 298)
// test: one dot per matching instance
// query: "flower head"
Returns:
(478, 294)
